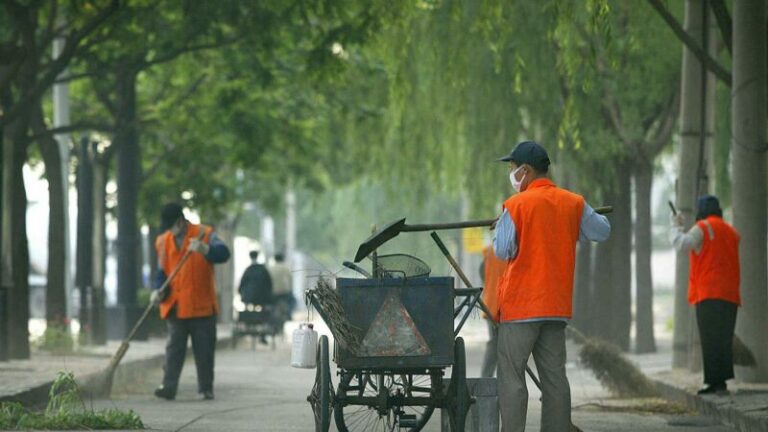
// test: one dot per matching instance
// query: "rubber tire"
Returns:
(321, 398)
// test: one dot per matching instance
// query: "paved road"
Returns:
(257, 390)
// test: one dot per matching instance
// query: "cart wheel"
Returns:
(458, 391)
(321, 396)
(368, 417)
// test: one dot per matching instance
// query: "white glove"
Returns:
(195, 245)
(154, 297)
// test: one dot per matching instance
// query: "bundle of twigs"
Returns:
(612, 369)
(327, 301)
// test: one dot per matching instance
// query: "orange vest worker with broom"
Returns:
(713, 287)
(190, 307)
(491, 272)
(537, 232)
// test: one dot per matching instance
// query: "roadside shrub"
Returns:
(65, 411)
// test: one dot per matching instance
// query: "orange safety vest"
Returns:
(193, 290)
(538, 282)
(493, 270)
(714, 271)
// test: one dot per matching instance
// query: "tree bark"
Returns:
(15, 253)
(748, 149)
(128, 180)
(99, 245)
(56, 292)
(621, 263)
(225, 273)
(602, 290)
(84, 254)
(645, 341)
(690, 181)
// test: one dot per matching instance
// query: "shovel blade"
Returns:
(379, 238)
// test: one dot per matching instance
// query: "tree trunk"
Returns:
(603, 284)
(56, 289)
(621, 231)
(99, 245)
(152, 257)
(582, 295)
(84, 254)
(645, 341)
(225, 273)
(748, 148)
(128, 180)
(15, 253)
(690, 180)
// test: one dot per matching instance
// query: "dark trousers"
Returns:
(717, 321)
(203, 333)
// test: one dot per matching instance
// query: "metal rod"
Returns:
(451, 225)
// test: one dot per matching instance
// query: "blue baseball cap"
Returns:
(528, 152)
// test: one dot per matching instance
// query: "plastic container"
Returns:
(304, 350)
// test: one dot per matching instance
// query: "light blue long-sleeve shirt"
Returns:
(593, 227)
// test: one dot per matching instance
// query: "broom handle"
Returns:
(466, 281)
(126, 342)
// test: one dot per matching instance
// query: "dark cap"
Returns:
(171, 213)
(708, 205)
(528, 152)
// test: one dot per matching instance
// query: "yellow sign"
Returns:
(472, 238)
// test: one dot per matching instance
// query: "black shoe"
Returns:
(207, 395)
(719, 389)
(165, 393)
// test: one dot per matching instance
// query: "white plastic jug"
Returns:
(304, 350)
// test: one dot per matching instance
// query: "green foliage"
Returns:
(65, 411)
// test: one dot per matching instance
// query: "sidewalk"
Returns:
(28, 381)
(745, 408)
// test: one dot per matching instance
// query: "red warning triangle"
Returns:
(393, 332)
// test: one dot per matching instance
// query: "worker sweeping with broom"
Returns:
(713, 287)
(187, 251)
(537, 233)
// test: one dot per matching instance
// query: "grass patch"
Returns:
(65, 411)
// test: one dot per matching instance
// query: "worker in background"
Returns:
(256, 284)
(190, 307)
(491, 271)
(713, 287)
(537, 233)
(282, 285)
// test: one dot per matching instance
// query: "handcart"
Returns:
(394, 380)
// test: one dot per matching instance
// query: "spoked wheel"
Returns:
(374, 417)
(458, 392)
(321, 397)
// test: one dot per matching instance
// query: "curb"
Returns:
(91, 383)
(722, 408)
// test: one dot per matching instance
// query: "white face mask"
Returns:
(516, 184)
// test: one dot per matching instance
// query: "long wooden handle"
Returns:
(473, 223)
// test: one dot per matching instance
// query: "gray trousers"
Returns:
(203, 334)
(546, 341)
(489, 360)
